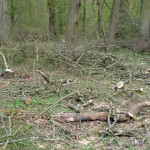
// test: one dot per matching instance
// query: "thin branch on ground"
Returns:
(53, 106)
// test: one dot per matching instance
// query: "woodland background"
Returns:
(75, 74)
(71, 20)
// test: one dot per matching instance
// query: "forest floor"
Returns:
(88, 79)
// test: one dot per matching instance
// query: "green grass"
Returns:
(96, 82)
(24, 145)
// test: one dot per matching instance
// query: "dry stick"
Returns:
(103, 116)
(44, 76)
(60, 126)
(148, 133)
(37, 55)
(5, 62)
(113, 124)
(73, 62)
(109, 115)
(69, 64)
(4, 124)
(4, 144)
(9, 134)
(52, 106)
(79, 58)
(18, 140)
(107, 130)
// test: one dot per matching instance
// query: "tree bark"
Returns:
(112, 26)
(100, 8)
(60, 21)
(145, 19)
(73, 21)
(52, 19)
(12, 15)
(3, 22)
(101, 116)
(124, 19)
(84, 16)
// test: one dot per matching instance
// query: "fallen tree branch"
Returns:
(72, 117)
(137, 108)
(5, 62)
(101, 116)
(44, 76)
(62, 127)
(53, 106)
(7, 72)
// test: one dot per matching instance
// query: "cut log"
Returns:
(137, 108)
(72, 117)
(101, 116)
(8, 73)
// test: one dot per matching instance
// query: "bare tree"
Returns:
(3, 21)
(145, 19)
(12, 15)
(100, 5)
(52, 19)
(144, 43)
(84, 16)
(112, 26)
(124, 18)
(73, 21)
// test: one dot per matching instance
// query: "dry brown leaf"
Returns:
(26, 100)
(40, 121)
(10, 112)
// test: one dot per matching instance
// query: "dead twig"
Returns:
(75, 108)
(53, 106)
(44, 76)
(8, 71)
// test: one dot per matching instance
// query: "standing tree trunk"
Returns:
(52, 19)
(84, 16)
(145, 19)
(60, 23)
(112, 26)
(124, 19)
(144, 43)
(99, 21)
(3, 22)
(12, 15)
(73, 22)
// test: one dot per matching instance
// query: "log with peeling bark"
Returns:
(101, 116)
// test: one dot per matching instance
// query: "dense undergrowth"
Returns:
(88, 71)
